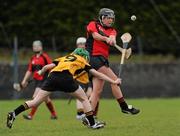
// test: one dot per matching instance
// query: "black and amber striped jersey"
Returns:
(75, 64)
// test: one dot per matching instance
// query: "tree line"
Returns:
(61, 21)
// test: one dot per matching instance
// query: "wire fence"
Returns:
(138, 81)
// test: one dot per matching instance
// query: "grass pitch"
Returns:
(158, 117)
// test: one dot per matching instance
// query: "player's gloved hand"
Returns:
(23, 84)
(111, 41)
(40, 72)
(107, 40)
(118, 81)
(17, 87)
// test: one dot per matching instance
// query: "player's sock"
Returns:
(51, 108)
(122, 103)
(21, 108)
(33, 111)
(80, 111)
(89, 116)
(80, 114)
(96, 109)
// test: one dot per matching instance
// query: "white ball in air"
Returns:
(133, 17)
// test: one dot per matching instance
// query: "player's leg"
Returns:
(33, 109)
(88, 93)
(89, 119)
(96, 93)
(96, 110)
(98, 63)
(51, 108)
(40, 97)
(80, 111)
(118, 94)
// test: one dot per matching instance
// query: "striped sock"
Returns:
(122, 103)
(51, 108)
(21, 108)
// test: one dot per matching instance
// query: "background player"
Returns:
(37, 61)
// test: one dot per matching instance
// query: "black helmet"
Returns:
(106, 12)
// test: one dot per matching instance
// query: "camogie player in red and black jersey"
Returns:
(100, 36)
(37, 61)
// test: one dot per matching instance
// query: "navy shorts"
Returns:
(60, 81)
(85, 86)
(98, 61)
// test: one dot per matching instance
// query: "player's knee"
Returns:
(47, 100)
(96, 93)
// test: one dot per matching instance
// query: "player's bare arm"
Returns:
(100, 37)
(26, 78)
(46, 68)
(104, 77)
(111, 40)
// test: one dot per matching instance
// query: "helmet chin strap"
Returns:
(101, 22)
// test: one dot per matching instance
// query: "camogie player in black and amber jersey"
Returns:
(62, 77)
(100, 36)
(37, 61)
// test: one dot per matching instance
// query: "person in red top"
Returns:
(37, 61)
(100, 36)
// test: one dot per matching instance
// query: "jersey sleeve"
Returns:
(91, 27)
(87, 68)
(114, 32)
(56, 61)
(48, 59)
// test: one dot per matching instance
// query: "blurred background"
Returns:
(152, 71)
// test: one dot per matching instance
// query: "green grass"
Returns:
(158, 117)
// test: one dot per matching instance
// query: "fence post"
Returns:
(15, 65)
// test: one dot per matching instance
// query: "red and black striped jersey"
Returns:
(36, 63)
(96, 47)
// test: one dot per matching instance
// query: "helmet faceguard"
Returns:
(106, 12)
(82, 52)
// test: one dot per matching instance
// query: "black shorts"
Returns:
(60, 81)
(38, 83)
(98, 61)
